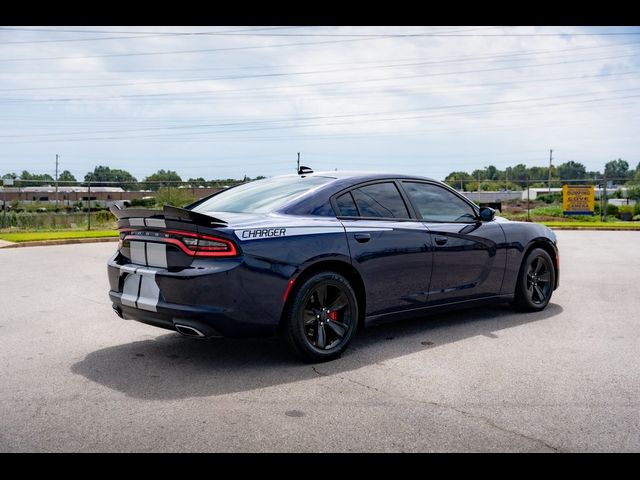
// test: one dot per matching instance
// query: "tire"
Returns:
(322, 317)
(536, 281)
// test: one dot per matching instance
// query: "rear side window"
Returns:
(380, 200)
(346, 205)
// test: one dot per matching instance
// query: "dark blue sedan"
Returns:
(313, 257)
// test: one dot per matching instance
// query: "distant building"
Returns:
(101, 196)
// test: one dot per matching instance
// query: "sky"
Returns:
(229, 101)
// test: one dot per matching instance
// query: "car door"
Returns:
(389, 248)
(469, 256)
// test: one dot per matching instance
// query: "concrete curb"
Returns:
(604, 229)
(67, 241)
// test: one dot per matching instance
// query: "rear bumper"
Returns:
(215, 298)
(211, 322)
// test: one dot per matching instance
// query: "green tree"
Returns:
(458, 180)
(177, 197)
(633, 193)
(66, 176)
(572, 170)
(155, 181)
(102, 174)
(617, 169)
(519, 174)
(196, 182)
(491, 172)
(34, 179)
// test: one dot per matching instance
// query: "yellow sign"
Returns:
(578, 199)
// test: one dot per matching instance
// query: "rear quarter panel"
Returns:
(276, 251)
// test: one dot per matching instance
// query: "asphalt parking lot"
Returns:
(75, 377)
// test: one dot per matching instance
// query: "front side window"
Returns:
(380, 200)
(435, 204)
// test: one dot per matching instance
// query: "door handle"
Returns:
(362, 237)
(441, 240)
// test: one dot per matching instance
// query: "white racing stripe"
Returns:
(140, 289)
(130, 290)
(149, 293)
(276, 232)
(138, 252)
(367, 229)
(155, 222)
(156, 254)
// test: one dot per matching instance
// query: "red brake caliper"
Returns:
(333, 316)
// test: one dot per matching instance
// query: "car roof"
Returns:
(358, 176)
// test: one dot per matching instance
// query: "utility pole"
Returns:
(528, 200)
(603, 193)
(89, 206)
(550, 159)
(298, 169)
(56, 181)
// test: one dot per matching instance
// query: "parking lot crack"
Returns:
(318, 372)
(465, 413)
(491, 423)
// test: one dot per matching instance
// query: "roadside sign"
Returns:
(7, 182)
(578, 199)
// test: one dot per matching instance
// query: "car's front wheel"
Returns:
(536, 281)
(322, 317)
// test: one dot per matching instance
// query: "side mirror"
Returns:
(487, 214)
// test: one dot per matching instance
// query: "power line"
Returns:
(313, 118)
(222, 92)
(467, 58)
(326, 42)
(433, 34)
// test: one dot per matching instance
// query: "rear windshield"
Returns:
(261, 196)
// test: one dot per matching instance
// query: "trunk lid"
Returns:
(172, 237)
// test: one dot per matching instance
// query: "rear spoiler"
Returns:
(168, 213)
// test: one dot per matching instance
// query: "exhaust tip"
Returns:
(118, 310)
(189, 331)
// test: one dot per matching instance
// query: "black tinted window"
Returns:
(380, 200)
(346, 205)
(436, 204)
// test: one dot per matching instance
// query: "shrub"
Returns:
(550, 198)
(612, 209)
(634, 193)
(551, 211)
(625, 212)
(625, 209)
(177, 197)
(143, 202)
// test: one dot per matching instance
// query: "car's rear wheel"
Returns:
(322, 317)
(535, 282)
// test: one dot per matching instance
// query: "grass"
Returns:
(57, 235)
(595, 225)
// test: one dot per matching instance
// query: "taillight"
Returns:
(191, 243)
(206, 246)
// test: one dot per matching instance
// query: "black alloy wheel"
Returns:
(536, 281)
(322, 318)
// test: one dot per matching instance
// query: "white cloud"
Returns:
(413, 114)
